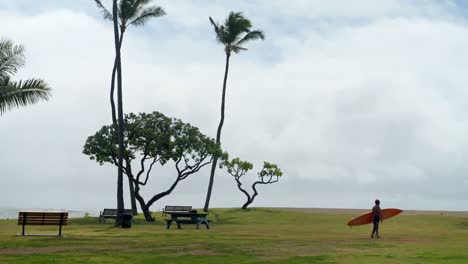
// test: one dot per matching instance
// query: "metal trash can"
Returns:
(127, 220)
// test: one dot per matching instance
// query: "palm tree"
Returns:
(233, 34)
(17, 93)
(129, 13)
(120, 137)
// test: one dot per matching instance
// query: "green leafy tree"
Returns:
(17, 93)
(269, 174)
(152, 139)
(129, 13)
(233, 34)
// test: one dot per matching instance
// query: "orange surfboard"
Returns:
(367, 218)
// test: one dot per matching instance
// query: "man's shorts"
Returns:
(376, 220)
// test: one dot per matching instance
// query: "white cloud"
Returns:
(348, 111)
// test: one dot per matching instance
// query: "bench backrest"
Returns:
(113, 212)
(42, 218)
(177, 208)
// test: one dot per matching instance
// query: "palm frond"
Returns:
(125, 9)
(252, 35)
(11, 58)
(236, 24)
(237, 49)
(220, 32)
(215, 25)
(237, 19)
(236, 31)
(135, 8)
(105, 13)
(22, 93)
(151, 12)
(217, 30)
(5, 44)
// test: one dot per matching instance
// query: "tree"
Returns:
(120, 136)
(17, 93)
(154, 139)
(129, 13)
(269, 174)
(233, 34)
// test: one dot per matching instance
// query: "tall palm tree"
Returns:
(233, 34)
(120, 137)
(17, 93)
(129, 13)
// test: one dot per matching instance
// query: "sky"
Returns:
(354, 100)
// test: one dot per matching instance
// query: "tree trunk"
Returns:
(114, 122)
(147, 213)
(163, 194)
(247, 204)
(120, 200)
(218, 135)
(145, 206)
(249, 201)
(131, 186)
(112, 102)
(112, 90)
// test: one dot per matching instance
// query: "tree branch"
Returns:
(142, 166)
(196, 168)
(149, 171)
(239, 186)
(162, 194)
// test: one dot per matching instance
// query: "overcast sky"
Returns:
(354, 100)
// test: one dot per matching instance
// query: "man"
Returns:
(376, 218)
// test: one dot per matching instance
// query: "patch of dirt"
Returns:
(179, 250)
(183, 247)
(286, 252)
(54, 249)
(200, 252)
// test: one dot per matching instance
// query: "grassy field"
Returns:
(254, 236)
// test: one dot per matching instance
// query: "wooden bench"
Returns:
(185, 215)
(111, 213)
(43, 218)
(176, 208)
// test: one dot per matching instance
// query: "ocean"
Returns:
(12, 213)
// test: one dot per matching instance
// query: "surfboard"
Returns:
(367, 217)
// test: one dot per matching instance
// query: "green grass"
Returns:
(237, 236)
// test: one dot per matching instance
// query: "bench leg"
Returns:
(22, 233)
(60, 231)
(204, 222)
(178, 225)
(168, 224)
(198, 225)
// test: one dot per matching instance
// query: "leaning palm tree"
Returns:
(233, 34)
(17, 93)
(120, 137)
(129, 13)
